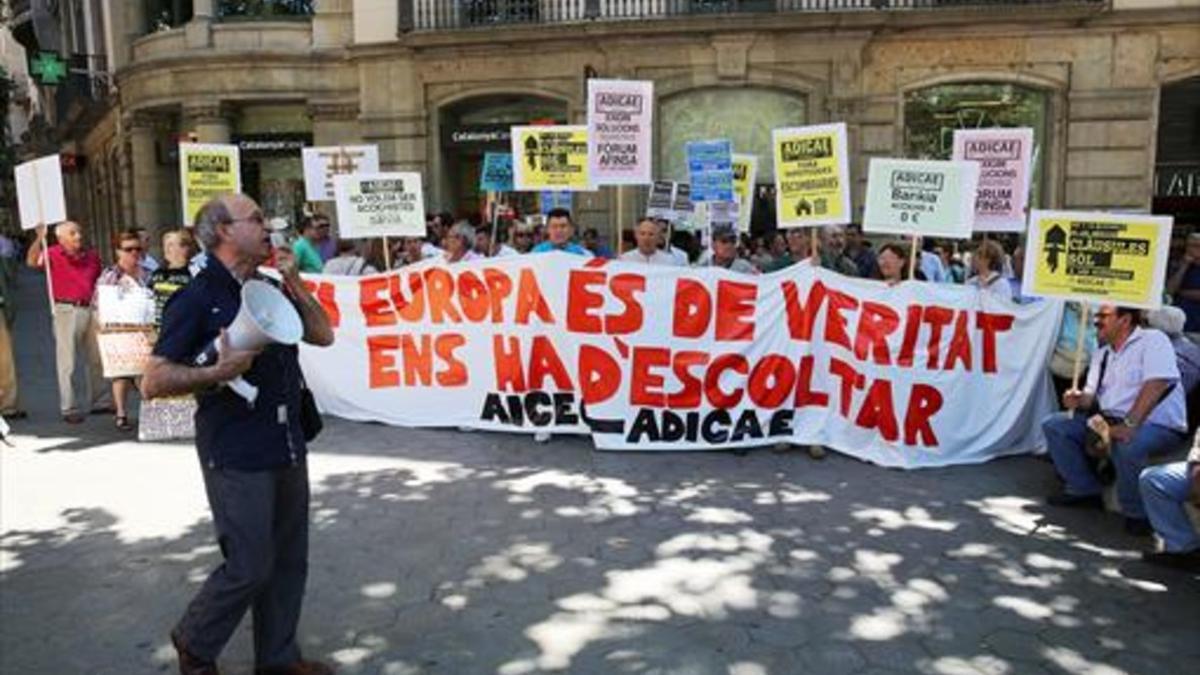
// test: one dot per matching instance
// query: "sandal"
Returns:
(123, 423)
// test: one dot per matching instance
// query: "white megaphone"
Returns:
(266, 317)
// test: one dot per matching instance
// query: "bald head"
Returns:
(69, 235)
(647, 233)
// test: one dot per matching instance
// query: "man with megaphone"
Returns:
(250, 437)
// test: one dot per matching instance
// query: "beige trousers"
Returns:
(8, 370)
(75, 335)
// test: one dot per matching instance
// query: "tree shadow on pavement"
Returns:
(441, 552)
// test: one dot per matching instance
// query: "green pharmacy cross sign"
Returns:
(48, 68)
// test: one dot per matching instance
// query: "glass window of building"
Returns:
(932, 114)
(744, 115)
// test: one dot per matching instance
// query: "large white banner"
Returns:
(664, 358)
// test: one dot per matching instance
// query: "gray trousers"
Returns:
(261, 519)
(75, 336)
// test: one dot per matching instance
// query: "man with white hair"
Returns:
(74, 269)
(833, 251)
(648, 235)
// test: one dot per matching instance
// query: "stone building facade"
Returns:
(434, 83)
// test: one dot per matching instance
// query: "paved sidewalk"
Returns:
(454, 553)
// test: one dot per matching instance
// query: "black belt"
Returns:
(73, 303)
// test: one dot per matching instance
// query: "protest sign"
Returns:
(620, 115)
(710, 170)
(323, 163)
(124, 353)
(1097, 257)
(207, 171)
(40, 192)
(684, 208)
(921, 197)
(664, 358)
(380, 205)
(1005, 159)
(745, 171)
(812, 175)
(551, 158)
(660, 202)
(497, 173)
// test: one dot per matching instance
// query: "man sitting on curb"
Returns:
(1166, 488)
(1135, 379)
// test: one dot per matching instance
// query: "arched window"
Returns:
(933, 113)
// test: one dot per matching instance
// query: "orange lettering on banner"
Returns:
(325, 294)
(381, 361)
(581, 299)
(912, 329)
(924, 402)
(510, 373)
(376, 309)
(646, 387)
(735, 310)
(835, 323)
(851, 380)
(960, 344)
(455, 374)
(693, 309)
(805, 395)
(625, 287)
(499, 288)
(991, 324)
(712, 380)
(689, 394)
(937, 318)
(802, 318)
(599, 374)
(771, 381)
(877, 411)
(473, 296)
(530, 300)
(440, 287)
(875, 323)
(418, 362)
(543, 362)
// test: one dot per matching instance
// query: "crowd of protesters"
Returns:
(1139, 377)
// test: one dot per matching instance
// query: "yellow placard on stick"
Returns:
(1097, 257)
(812, 177)
(551, 158)
(207, 171)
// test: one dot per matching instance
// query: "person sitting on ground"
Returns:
(178, 248)
(457, 243)
(648, 236)
(1166, 489)
(1135, 380)
(987, 263)
(129, 274)
(560, 228)
(313, 229)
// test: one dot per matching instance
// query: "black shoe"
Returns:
(1188, 561)
(1138, 527)
(1068, 501)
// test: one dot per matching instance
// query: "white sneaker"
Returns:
(541, 437)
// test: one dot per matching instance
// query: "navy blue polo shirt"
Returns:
(230, 433)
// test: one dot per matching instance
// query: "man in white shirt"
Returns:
(648, 235)
(1136, 381)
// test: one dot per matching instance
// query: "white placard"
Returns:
(323, 163)
(921, 197)
(40, 192)
(380, 205)
(620, 119)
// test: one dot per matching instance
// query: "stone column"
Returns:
(211, 122)
(199, 30)
(149, 208)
